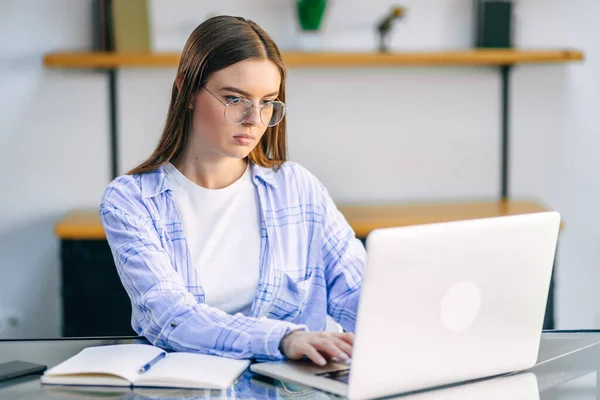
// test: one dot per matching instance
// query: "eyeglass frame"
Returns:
(261, 108)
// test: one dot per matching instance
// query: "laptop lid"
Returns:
(451, 302)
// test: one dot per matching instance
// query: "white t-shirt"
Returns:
(222, 228)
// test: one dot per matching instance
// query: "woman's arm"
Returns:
(344, 256)
(170, 315)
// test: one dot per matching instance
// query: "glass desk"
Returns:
(567, 369)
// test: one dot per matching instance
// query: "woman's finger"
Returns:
(347, 337)
(313, 354)
(327, 346)
(344, 346)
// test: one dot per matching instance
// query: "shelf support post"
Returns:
(112, 104)
(505, 115)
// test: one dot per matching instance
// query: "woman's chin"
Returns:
(239, 153)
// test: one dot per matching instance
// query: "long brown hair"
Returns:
(215, 44)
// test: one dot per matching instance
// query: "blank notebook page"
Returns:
(123, 360)
(194, 370)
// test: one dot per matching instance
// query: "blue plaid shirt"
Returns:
(311, 265)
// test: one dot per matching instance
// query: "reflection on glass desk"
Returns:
(566, 369)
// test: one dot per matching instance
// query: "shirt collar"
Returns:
(264, 174)
(155, 182)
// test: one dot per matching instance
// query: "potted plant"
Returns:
(310, 17)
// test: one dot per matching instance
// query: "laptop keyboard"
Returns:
(339, 376)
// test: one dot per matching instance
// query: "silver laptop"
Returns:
(440, 304)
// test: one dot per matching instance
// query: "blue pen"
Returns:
(156, 359)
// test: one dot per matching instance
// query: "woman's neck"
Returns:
(215, 174)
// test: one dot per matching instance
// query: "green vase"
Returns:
(310, 13)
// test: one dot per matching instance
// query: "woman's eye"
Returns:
(267, 102)
(232, 99)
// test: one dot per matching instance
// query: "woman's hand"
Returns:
(317, 346)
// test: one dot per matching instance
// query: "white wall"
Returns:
(394, 134)
(578, 192)
(53, 146)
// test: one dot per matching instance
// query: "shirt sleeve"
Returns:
(168, 314)
(344, 257)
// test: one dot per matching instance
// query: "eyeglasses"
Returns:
(238, 110)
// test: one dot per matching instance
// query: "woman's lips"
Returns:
(244, 140)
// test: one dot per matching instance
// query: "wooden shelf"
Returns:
(80, 224)
(95, 60)
(86, 224)
(365, 218)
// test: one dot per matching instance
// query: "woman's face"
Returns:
(255, 80)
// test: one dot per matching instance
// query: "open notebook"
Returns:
(119, 365)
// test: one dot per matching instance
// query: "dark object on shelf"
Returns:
(385, 25)
(493, 21)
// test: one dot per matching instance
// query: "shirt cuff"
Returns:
(266, 338)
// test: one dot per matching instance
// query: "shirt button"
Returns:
(173, 324)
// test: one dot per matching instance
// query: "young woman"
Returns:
(223, 246)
